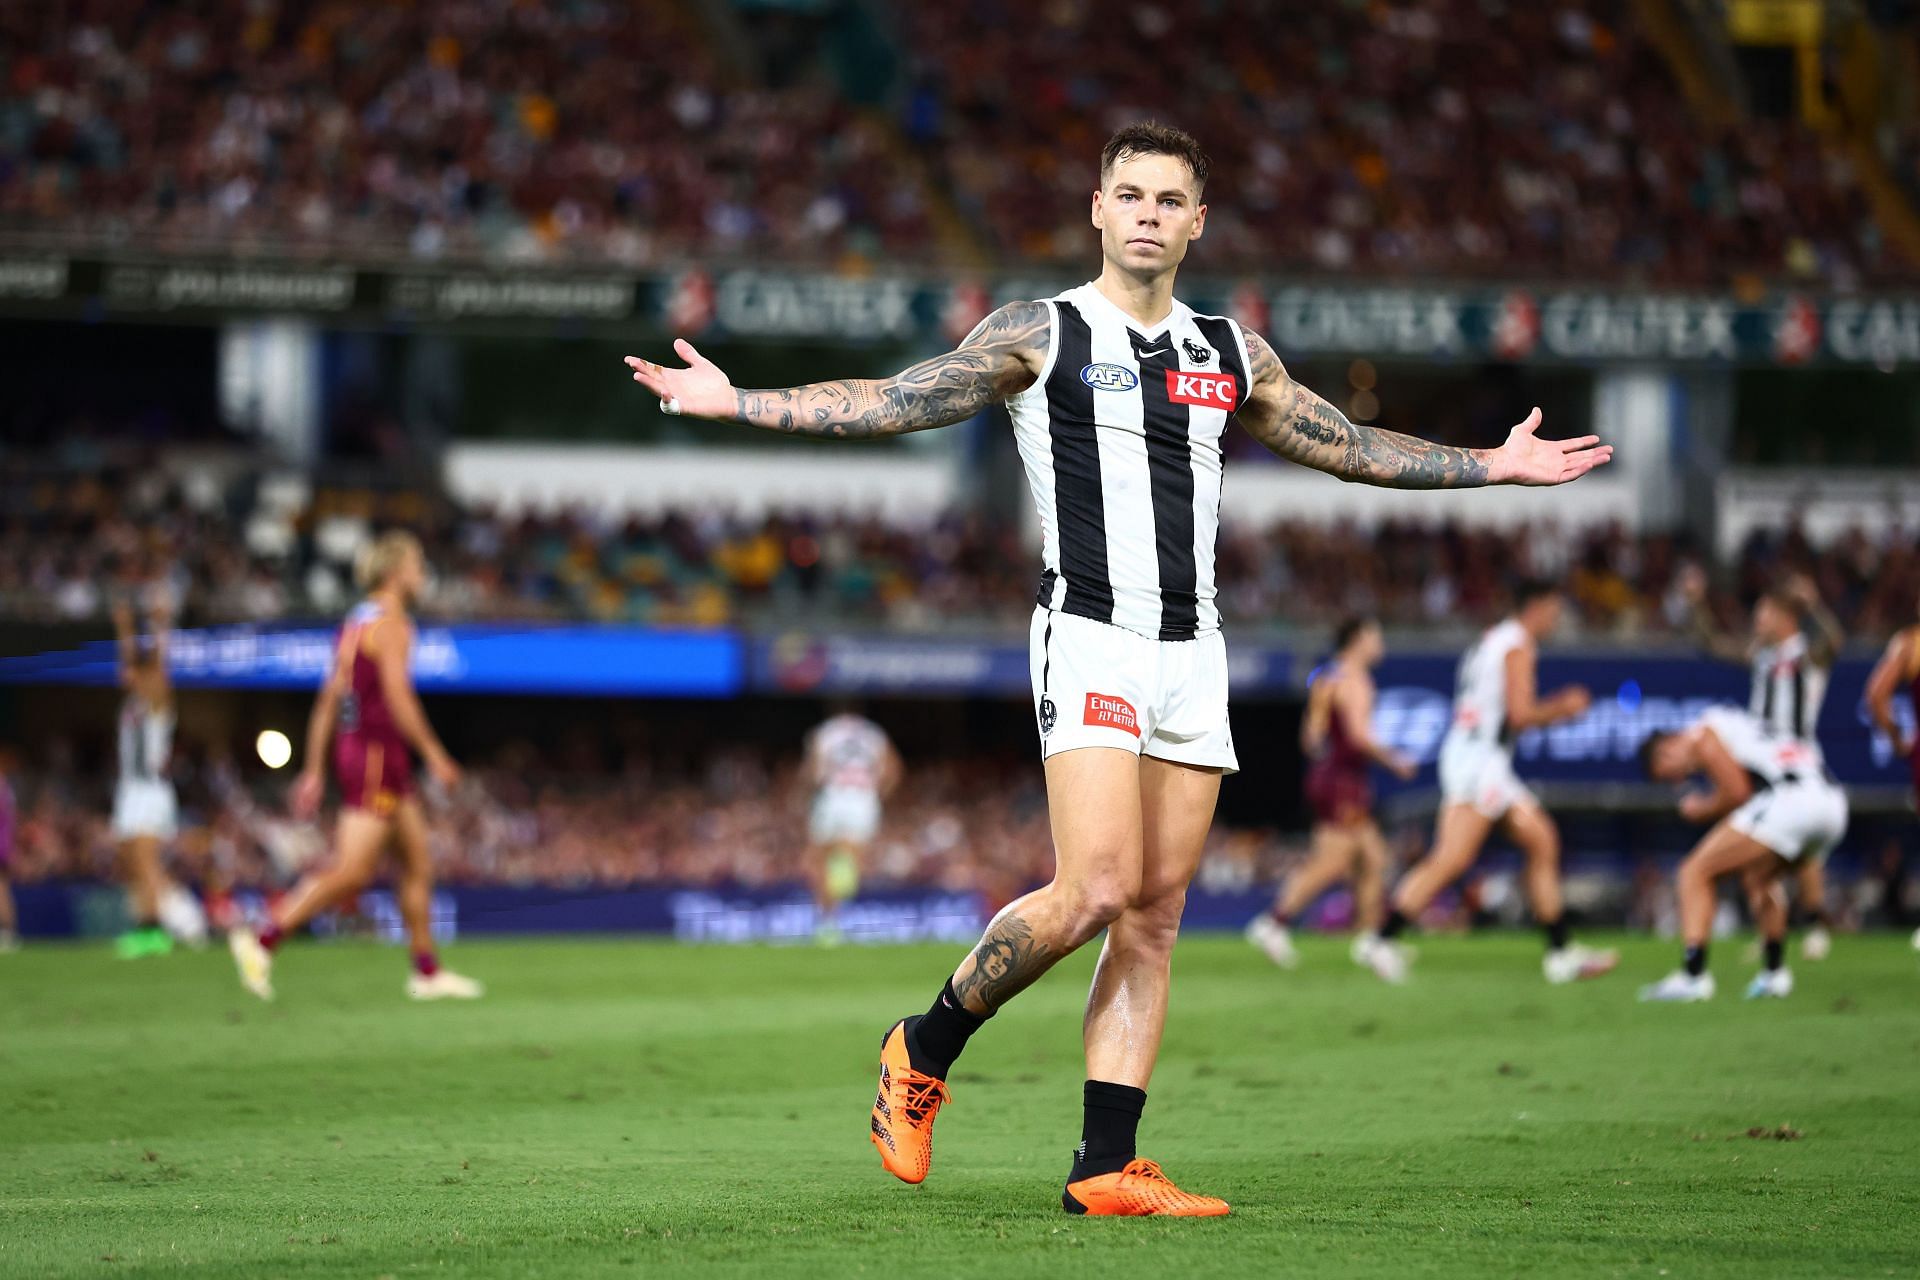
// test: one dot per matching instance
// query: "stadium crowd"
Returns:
(1439, 136)
(1420, 136)
(459, 128)
(68, 544)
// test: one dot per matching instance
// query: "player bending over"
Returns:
(1773, 807)
(1494, 703)
(1791, 651)
(1337, 735)
(853, 767)
(145, 810)
(369, 695)
(1119, 395)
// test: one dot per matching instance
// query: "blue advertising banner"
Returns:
(1632, 698)
(471, 658)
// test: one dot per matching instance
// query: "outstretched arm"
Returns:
(1827, 637)
(1001, 356)
(1297, 424)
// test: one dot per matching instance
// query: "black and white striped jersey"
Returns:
(1788, 687)
(1120, 435)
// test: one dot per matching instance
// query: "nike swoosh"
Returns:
(1148, 355)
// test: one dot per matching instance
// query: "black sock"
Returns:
(1393, 924)
(1696, 963)
(1775, 949)
(1107, 1133)
(1557, 934)
(936, 1038)
(1280, 917)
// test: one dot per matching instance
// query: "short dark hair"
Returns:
(1528, 590)
(1350, 627)
(1151, 138)
(1649, 745)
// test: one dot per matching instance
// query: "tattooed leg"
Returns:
(1094, 797)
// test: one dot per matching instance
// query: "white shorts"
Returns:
(1096, 685)
(1480, 773)
(1795, 819)
(844, 814)
(142, 807)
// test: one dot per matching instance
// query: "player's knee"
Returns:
(1096, 903)
(1153, 925)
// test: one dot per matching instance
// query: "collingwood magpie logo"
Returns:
(1049, 716)
(1196, 352)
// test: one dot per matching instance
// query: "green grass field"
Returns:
(637, 1108)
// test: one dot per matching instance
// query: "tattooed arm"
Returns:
(1297, 424)
(1000, 357)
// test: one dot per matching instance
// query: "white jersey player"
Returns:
(1775, 808)
(1495, 701)
(145, 812)
(1790, 653)
(852, 766)
(1119, 395)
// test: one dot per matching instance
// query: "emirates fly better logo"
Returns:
(1108, 712)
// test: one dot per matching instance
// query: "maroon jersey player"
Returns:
(369, 699)
(1337, 735)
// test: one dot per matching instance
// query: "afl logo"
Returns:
(1109, 377)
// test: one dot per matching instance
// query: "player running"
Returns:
(1773, 807)
(1494, 703)
(1336, 733)
(1791, 669)
(145, 810)
(1898, 665)
(852, 766)
(1119, 395)
(369, 695)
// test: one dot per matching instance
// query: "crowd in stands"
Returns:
(69, 544)
(1410, 136)
(1437, 136)
(456, 128)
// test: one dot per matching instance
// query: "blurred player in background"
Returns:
(1119, 396)
(1336, 733)
(145, 809)
(1773, 807)
(1899, 666)
(369, 695)
(853, 767)
(1790, 673)
(1495, 701)
(9, 819)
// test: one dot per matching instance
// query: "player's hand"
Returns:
(307, 789)
(1696, 806)
(444, 770)
(1402, 768)
(1803, 590)
(1527, 459)
(1574, 701)
(700, 390)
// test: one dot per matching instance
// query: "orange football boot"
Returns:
(1139, 1190)
(904, 1109)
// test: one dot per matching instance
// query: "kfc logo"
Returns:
(1108, 712)
(1213, 390)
